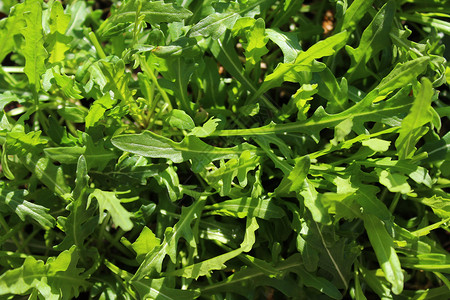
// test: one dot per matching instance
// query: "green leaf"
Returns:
(218, 263)
(441, 25)
(255, 47)
(11, 26)
(6, 98)
(386, 112)
(58, 42)
(439, 205)
(400, 76)
(181, 120)
(247, 207)
(377, 145)
(225, 174)
(153, 260)
(34, 50)
(108, 201)
(150, 144)
(113, 69)
(319, 283)
(96, 154)
(145, 243)
(28, 148)
(312, 202)
(418, 116)
(56, 279)
(396, 183)
(246, 280)
(372, 41)
(15, 201)
(80, 222)
(366, 197)
(354, 14)
(418, 174)
(328, 88)
(287, 41)
(179, 74)
(135, 169)
(216, 24)
(67, 85)
(295, 180)
(303, 62)
(98, 109)
(207, 128)
(158, 290)
(383, 246)
(153, 12)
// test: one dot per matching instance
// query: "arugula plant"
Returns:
(224, 149)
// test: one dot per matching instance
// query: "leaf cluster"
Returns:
(211, 149)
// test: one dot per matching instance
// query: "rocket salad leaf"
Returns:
(244, 149)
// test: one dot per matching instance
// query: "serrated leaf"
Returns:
(294, 181)
(108, 201)
(223, 50)
(235, 167)
(28, 148)
(59, 278)
(216, 24)
(366, 197)
(98, 109)
(58, 42)
(156, 289)
(246, 280)
(15, 201)
(386, 112)
(34, 50)
(67, 85)
(319, 283)
(113, 70)
(80, 223)
(418, 116)
(218, 263)
(247, 207)
(439, 205)
(150, 144)
(153, 260)
(417, 173)
(153, 12)
(371, 41)
(256, 44)
(312, 202)
(336, 94)
(11, 26)
(207, 128)
(303, 62)
(135, 169)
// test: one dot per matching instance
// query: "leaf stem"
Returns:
(394, 202)
(147, 70)
(7, 229)
(136, 22)
(97, 45)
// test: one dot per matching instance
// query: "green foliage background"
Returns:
(248, 149)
